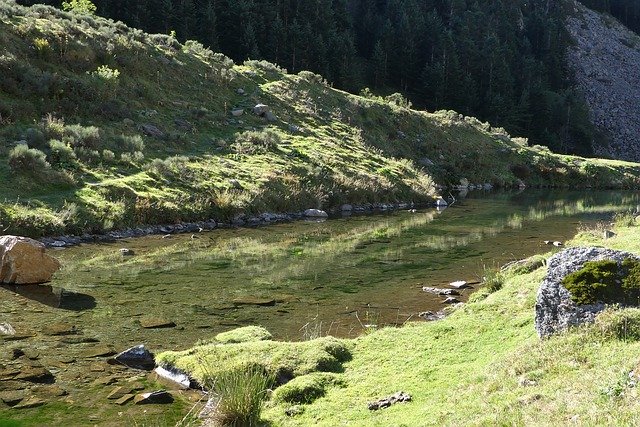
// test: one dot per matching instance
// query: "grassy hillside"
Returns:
(482, 365)
(135, 129)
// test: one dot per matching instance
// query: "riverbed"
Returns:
(299, 280)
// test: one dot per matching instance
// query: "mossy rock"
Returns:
(605, 281)
(245, 334)
(307, 388)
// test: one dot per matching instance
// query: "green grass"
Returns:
(482, 365)
(89, 85)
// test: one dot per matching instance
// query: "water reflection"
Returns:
(54, 296)
(323, 272)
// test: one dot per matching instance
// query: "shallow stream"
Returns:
(299, 280)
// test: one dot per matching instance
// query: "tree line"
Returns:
(498, 60)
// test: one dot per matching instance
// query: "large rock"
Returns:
(23, 261)
(555, 311)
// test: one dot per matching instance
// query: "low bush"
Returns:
(256, 142)
(60, 154)
(25, 159)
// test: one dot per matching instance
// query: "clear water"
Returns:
(316, 278)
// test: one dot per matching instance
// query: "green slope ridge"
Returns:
(93, 86)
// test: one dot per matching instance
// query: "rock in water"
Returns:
(137, 357)
(23, 261)
(555, 311)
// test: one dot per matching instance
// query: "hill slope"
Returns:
(605, 60)
(137, 129)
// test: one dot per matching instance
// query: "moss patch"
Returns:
(283, 360)
(245, 334)
(605, 281)
(307, 388)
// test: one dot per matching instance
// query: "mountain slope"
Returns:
(136, 129)
(605, 61)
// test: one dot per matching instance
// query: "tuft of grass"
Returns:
(620, 324)
(624, 219)
(240, 392)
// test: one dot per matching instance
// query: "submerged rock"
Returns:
(23, 261)
(555, 311)
(156, 322)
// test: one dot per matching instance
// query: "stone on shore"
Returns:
(23, 261)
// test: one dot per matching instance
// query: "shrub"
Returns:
(624, 219)
(87, 155)
(134, 157)
(25, 159)
(61, 154)
(256, 142)
(108, 155)
(79, 6)
(130, 143)
(241, 391)
(492, 280)
(52, 126)
(106, 73)
(35, 138)
(398, 100)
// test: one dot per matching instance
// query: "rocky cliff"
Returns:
(605, 62)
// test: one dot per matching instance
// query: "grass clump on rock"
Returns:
(605, 281)
(282, 360)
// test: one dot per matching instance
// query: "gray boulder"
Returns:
(555, 311)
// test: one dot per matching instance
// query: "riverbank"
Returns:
(173, 133)
(483, 364)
